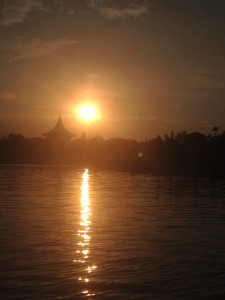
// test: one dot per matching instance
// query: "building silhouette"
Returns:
(59, 133)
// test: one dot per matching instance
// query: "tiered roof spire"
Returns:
(59, 132)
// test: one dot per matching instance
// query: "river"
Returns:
(80, 234)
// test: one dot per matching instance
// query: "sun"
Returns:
(87, 112)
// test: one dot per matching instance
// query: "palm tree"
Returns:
(215, 130)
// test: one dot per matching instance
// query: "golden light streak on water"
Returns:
(83, 233)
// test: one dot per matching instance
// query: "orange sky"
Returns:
(150, 66)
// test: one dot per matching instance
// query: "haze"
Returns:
(150, 66)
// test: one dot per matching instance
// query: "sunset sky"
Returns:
(150, 67)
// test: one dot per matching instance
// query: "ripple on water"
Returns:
(74, 234)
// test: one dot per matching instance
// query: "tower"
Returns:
(59, 133)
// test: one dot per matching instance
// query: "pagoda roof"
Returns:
(59, 131)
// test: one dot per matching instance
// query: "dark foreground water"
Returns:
(74, 234)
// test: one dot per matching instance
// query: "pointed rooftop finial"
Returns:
(59, 132)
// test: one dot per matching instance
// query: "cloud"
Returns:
(38, 48)
(93, 76)
(61, 5)
(132, 118)
(7, 95)
(113, 12)
(15, 11)
(207, 79)
(116, 13)
(13, 104)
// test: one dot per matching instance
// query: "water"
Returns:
(74, 234)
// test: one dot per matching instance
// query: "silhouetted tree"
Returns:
(215, 130)
(15, 137)
(183, 153)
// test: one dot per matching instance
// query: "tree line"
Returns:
(175, 154)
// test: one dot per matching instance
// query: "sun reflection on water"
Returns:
(83, 245)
